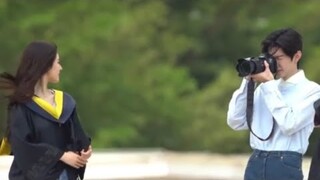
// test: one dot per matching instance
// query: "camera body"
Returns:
(255, 65)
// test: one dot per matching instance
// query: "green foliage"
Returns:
(209, 124)
(155, 73)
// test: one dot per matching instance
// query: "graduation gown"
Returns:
(38, 140)
(314, 170)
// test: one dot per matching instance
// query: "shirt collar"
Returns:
(294, 79)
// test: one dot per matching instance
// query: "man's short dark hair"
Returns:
(289, 40)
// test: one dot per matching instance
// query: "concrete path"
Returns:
(159, 165)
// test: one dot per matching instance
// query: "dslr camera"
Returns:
(255, 65)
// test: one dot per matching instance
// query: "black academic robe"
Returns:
(38, 141)
(314, 170)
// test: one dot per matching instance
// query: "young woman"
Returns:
(44, 133)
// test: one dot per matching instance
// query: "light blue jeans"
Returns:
(63, 175)
(274, 165)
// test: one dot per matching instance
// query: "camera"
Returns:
(255, 65)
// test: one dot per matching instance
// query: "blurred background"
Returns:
(156, 74)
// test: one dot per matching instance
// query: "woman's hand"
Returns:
(73, 159)
(86, 154)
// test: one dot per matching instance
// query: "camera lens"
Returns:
(245, 67)
(254, 65)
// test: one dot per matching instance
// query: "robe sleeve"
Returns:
(34, 159)
(80, 138)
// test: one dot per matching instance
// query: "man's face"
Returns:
(286, 67)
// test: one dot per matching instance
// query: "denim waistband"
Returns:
(276, 153)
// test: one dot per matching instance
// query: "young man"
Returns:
(282, 109)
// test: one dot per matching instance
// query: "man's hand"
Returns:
(264, 76)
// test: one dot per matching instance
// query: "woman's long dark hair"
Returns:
(37, 59)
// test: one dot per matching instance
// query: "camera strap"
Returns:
(249, 111)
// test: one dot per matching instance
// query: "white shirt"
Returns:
(289, 102)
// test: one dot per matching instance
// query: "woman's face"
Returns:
(53, 75)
